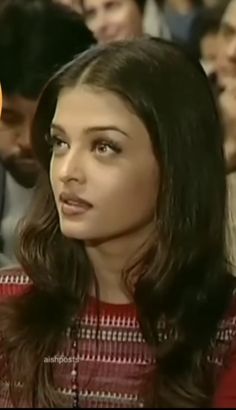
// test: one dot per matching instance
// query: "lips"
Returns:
(72, 204)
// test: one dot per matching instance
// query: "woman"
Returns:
(129, 301)
(112, 20)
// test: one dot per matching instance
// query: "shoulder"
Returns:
(14, 281)
(225, 335)
(224, 360)
(225, 389)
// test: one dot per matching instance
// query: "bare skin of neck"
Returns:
(109, 259)
(181, 6)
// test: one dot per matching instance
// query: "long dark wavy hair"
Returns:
(182, 277)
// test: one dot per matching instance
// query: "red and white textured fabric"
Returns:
(114, 363)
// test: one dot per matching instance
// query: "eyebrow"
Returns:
(94, 129)
(57, 127)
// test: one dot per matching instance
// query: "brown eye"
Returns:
(105, 147)
(58, 146)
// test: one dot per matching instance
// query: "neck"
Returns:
(182, 6)
(110, 258)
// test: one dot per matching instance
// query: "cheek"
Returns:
(122, 18)
(141, 190)
(7, 139)
(222, 45)
(53, 177)
(131, 189)
(133, 18)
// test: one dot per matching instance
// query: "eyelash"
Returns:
(114, 146)
(53, 140)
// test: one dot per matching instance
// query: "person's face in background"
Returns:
(112, 20)
(209, 50)
(226, 60)
(15, 149)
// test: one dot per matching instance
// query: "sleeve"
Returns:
(225, 394)
(13, 282)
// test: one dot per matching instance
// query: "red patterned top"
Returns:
(114, 365)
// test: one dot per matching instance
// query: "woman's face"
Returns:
(112, 20)
(103, 172)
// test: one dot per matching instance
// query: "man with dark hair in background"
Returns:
(36, 38)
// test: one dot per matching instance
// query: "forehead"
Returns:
(230, 14)
(83, 106)
(82, 99)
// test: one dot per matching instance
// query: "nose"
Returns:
(231, 49)
(72, 169)
(23, 138)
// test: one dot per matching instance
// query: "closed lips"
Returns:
(73, 200)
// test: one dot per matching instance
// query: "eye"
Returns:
(56, 144)
(106, 147)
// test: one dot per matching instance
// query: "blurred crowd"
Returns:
(193, 23)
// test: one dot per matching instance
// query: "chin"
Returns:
(73, 231)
